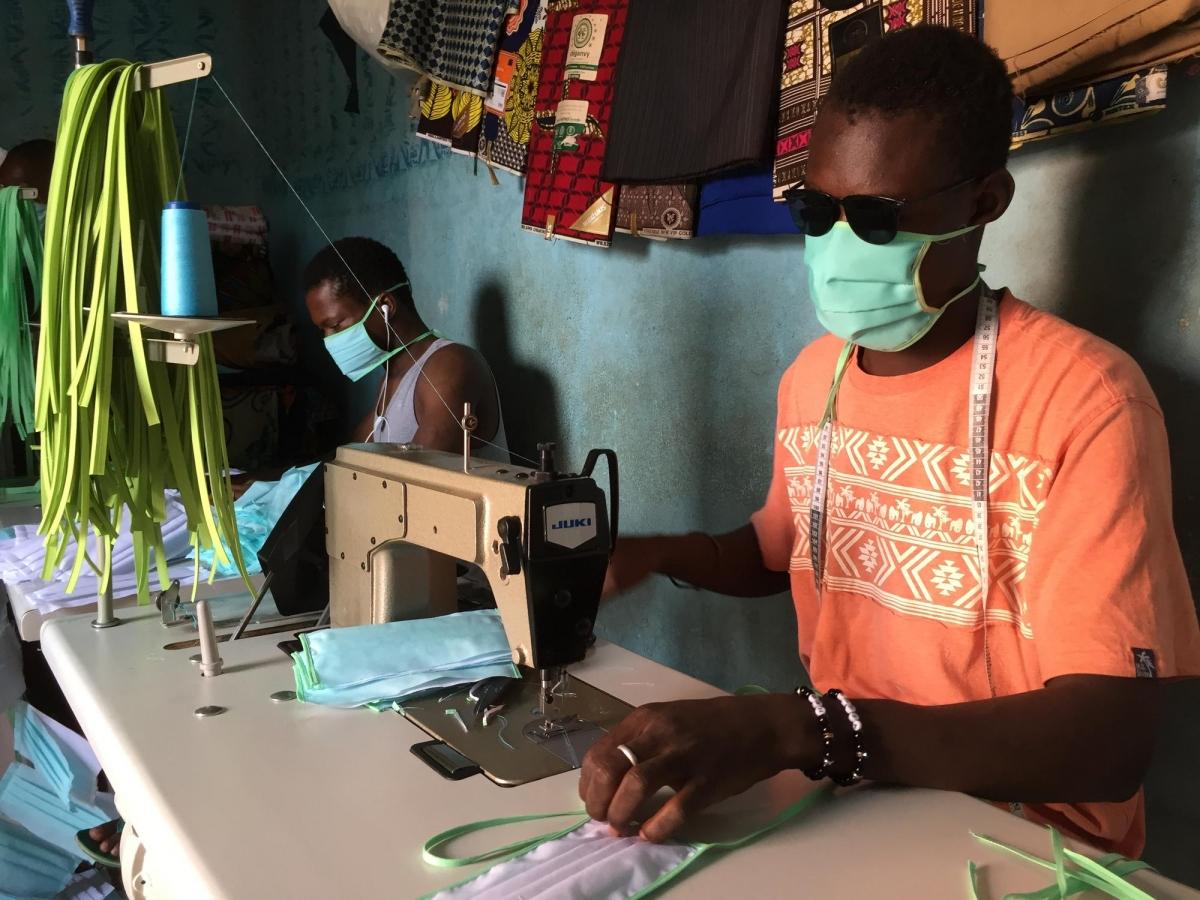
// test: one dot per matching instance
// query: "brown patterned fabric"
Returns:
(658, 210)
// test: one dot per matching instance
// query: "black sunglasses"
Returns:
(874, 219)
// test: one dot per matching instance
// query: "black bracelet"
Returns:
(855, 725)
(818, 708)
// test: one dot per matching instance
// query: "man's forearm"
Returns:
(724, 564)
(1081, 739)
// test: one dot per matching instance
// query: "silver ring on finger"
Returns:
(628, 754)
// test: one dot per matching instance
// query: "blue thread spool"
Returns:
(188, 285)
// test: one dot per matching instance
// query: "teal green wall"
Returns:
(667, 353)
(36, 56)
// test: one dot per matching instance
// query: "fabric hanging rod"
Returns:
(174, 71)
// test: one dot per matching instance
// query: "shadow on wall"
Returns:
(528, 397)
(1127, 252)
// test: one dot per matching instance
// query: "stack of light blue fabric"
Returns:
(378, 664)
(46, 796)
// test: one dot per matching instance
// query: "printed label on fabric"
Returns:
(587, 43)
(1153, 87)
(506, 64)
(1145, 663)
(570, 122)
(570, 525)
(596, 218)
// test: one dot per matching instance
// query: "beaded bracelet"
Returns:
(855, 723)
(818, 708)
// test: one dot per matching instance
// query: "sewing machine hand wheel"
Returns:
(614, 502)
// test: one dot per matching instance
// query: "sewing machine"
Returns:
(399, 517)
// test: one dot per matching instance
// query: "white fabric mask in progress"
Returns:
(583, 860)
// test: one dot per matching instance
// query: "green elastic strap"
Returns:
(432, 857)
(839, 372)
(20, 265)
(1106, 874)
(517, 848)
(118, 429)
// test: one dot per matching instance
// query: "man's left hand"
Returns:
(707, 750)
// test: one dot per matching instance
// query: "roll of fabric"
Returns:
(508, 111)
(695, 89)
(818, 39)
(451, 41)
(1071, 42)
(661, 211)
(564, 194)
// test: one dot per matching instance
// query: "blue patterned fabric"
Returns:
(452, 41)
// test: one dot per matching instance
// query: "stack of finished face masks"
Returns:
(46, 796)
(376, 664)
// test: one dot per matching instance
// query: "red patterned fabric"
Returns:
(567, 185)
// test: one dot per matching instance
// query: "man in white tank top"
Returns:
(358, 294)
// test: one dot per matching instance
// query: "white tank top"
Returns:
(400, 414)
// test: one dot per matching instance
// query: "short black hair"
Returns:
(956, 80)
(375, 265)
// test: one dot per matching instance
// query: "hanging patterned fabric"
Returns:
(508, 111)
(1070, 110)
(822, 34)
(452, 41)
(695, 89)
(452, 118)
(564, 193)
(666, 211)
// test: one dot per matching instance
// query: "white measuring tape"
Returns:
(983, 367)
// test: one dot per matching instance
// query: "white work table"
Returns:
(29, 617)
(295, 800)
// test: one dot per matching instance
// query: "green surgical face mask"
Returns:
(870, 294)
(353, 349)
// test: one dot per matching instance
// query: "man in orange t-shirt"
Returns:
(1000, 630)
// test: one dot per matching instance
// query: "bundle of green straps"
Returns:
(20, 279)
(117, 428)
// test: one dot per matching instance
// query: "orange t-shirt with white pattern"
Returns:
(1085, 570)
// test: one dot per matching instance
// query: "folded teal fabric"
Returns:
(257, 511)
(371, 664)
(28, 799)
(30, 868)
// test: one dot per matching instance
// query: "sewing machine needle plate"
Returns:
(514, 747)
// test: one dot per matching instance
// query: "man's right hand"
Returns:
(633, 561)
